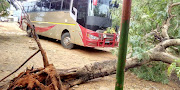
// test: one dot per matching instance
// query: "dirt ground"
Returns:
(16, 47)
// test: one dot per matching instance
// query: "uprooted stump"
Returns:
(62, 79)
(37, 79)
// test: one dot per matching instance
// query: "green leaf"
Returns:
(171, 68)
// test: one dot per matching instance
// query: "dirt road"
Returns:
(16, 47)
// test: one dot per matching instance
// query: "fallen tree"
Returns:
(75, 76)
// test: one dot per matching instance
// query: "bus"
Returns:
(73, 22)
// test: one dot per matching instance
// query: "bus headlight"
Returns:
(92, 37)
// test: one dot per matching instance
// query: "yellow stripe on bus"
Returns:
(55, 23)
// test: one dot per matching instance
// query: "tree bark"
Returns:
(161, 47)
(75, 76)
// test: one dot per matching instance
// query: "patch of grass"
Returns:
(154, 71)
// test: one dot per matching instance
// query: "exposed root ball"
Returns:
(39, 79)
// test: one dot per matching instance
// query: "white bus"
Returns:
(80, 22)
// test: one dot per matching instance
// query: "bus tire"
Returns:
(65, 41)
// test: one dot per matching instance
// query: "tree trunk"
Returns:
(75, 76)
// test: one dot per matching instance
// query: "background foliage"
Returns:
(146, 16)
(3, 7)
(154, 71)
(174, 67)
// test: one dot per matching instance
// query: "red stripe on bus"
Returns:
(43, 29)
(83, 37)
(84, 34)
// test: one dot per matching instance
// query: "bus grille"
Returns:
(105, 40)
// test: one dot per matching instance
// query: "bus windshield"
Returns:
(101, 9)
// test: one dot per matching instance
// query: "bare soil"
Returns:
(16, 47)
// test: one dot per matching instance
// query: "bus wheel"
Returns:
(66, 41)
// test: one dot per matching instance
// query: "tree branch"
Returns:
(75, 76)
(162, 56)
(175, 4)
(165, 44)
(177, 25)
(166, 25)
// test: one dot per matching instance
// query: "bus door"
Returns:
(73, 9)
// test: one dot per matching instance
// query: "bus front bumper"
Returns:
(109, 41)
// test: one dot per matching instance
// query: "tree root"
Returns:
(39, 79)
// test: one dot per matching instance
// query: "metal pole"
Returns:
(123, 44)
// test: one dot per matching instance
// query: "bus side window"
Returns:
(55, 6)
(45, 6)
(82, 12)
(39, 6)
(34, 8)
(58, 5)
(66, 5)
(30, 9)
